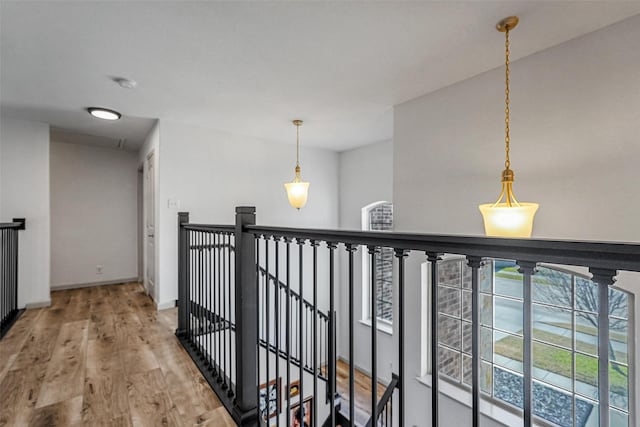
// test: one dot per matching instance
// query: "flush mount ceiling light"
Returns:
(104, 113)
(508, 218)
(297, 190)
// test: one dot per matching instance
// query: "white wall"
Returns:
(93, 214)
(208, 173)
(24, 186)
(575, 126)
(366, 176)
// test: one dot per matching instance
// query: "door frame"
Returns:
(149, 202)
(141, 241)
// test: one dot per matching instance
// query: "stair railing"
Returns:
(230, 290)
(9, 311)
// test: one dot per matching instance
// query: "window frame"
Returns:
(383, 324)
(495, 407)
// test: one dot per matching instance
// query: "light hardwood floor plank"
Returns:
(102, 356)
(63, 414)
(149, 401)
(19, 394)
(15, 339)
(66, 370)
(105, 387)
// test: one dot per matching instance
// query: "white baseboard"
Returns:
(92, 284)
(166, 305)
(38, 304)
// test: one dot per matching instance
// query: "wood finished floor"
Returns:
(102, 356)
(362, 391)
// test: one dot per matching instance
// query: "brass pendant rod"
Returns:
(297, 124)
(507, 139)
(297, 145)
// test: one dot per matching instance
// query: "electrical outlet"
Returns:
(98, 269)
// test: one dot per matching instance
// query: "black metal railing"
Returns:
(9, 311)
(384, 409)
(292, 326)
(289, 316)
(207, 302)
(292, 256)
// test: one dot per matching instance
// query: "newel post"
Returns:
(183, 273)
(246, 307)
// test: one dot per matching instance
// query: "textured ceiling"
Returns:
(251, 67)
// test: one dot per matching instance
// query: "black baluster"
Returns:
(314, 412)
(228, 325)
(277, 320)
(401, 254)
(201, 273)
(373, 250)
(209, 298)
(190, 241)
(435, 359)
(217, 273)
(258, 317)
(300, 316)
(224, 283)
(332, 332)
(350, 251)
(213, 313)
(475, 263)
(288, 326)
(527, 269)
(4, 279)
(604, 278)
(267, 316)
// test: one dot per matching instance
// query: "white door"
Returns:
(150, 220)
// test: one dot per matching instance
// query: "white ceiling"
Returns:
(251, 67)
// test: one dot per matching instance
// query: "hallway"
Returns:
(102, 356)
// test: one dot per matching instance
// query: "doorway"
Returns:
(149, 225)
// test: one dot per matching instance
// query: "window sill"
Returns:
(382, 327)
(487, 408)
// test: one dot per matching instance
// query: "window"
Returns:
(564, 342)
(378, 217)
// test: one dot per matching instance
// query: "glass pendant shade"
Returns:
(297, 192)
(508, 218)
(502, 220)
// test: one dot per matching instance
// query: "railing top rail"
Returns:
(605, 255)
(205, 227)
(5, 225)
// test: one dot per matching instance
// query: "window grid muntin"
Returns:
(383, 283)
(574, 394)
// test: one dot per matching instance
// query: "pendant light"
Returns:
(297, 190)
(508, 218)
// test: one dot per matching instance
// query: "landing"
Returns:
(102, 356)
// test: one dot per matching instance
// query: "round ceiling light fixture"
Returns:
(104, 113)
